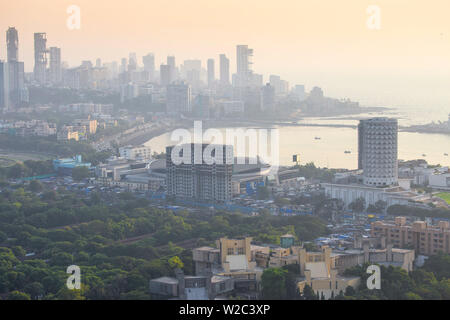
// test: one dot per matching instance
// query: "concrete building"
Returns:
(439, 181)
(268, 97)
(165, 75)
(12, 45)
(211, 73)
(424, 238)
(40, 57)
(179, 98)
(317, 271)
(231, 107)
(244, 65)
(135, 152)
(65, 166)
(224, 70)
(184, 287)
(149, 66)
(55, 65)
(348, 193)
(377, 151)
(67, 133)
(232, 258)
(200, 172)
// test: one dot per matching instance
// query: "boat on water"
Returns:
(317, 138)
(347, 152)
(446, 154)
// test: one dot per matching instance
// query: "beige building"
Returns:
(233, 258)
(67, 133)
(317, 271)
(425, 239)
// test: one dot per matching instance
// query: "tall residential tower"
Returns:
(378, 150)
(40, 57)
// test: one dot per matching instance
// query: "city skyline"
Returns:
(324, 44)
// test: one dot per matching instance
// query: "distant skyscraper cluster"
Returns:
(13, 92)
(190, 86)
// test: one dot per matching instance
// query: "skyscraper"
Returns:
(165, 74)
(17, 92)
(268, 97)
(3, 85)
(172, 67)
(179, 98)
(198, 180)
(378, 149)
(40, 57)
(55, 65)
(211, 73)
(123, 65)
(132, 62)
(149, 66)
(224, 70)
(12, 44)
(244, 70)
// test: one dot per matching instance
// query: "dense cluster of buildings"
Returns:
(235, 267)
(186, 88)
(39, 128)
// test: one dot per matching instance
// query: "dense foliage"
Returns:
(400, 210)
(119, 244)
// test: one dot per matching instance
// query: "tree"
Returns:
(358, 205)
(273, 282)
(176, 263)
(80, 173)
(262, 193)
(17, 295)
(36, 186)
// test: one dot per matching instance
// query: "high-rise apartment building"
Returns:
(244, 62)
(378, 150)
(268, 97)
(172, 67)
(224, 70)
(132, 62)
(149, 66)
(211, 73)
(3, 85)
(12, 44)
(196, 179)
(165, 75)
(40, 57)
(55, 65)
(179, 98)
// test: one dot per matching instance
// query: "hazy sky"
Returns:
(312, 42)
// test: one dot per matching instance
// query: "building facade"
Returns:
(191, 177)
(378, 149)
(424, 238)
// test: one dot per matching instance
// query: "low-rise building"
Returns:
(424, 238)
(135, 152)
(65, 166)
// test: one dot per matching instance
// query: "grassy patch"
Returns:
(445, 196)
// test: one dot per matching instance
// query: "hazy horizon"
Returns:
(325, 43)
